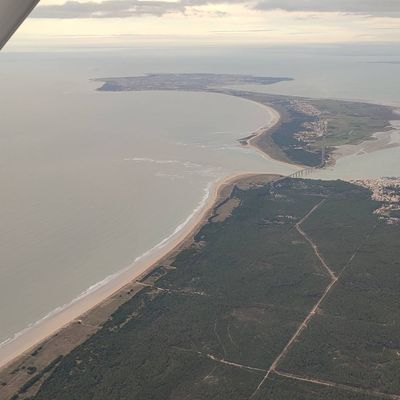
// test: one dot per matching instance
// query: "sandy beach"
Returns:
(268, 149)
(61, 333)
(70, 325)
(53, 323)
(275, 118)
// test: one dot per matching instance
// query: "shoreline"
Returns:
(380, 141)
(73, 326)
(60, 318)
(48, 332)
(265, 131)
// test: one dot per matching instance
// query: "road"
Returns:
(313, 311)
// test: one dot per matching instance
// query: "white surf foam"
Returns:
(151, 160)
(110, 278)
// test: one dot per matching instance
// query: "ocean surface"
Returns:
(90, 180)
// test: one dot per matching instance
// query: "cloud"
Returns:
(108, 9)
(204, 2)
(129, 8)
(387, 8)
(244, 30)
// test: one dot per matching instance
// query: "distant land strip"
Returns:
(308, 132)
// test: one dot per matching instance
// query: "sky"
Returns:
(62, 23)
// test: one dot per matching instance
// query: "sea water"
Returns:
(91, 180)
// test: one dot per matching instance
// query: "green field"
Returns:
(349, 123)
(353, 122)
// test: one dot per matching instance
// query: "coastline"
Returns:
(58, 319)
(50, 329)
(19, 347)
(265, 132)
(59, 335)
(63, 316)
(262, 141)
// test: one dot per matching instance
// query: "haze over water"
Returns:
(92, 180)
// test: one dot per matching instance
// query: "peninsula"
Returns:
(309, 130)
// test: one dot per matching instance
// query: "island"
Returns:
(309, 130)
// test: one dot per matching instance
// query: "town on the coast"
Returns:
(387, 191)
(314, 129)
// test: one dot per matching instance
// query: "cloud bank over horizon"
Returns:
(130, 8)
(126, 22)
(107, 9)
(387, 8)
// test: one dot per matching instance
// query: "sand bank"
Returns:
(379, 141)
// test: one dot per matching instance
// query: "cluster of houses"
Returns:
(312, 129)
(387, 192)
(304, 108)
